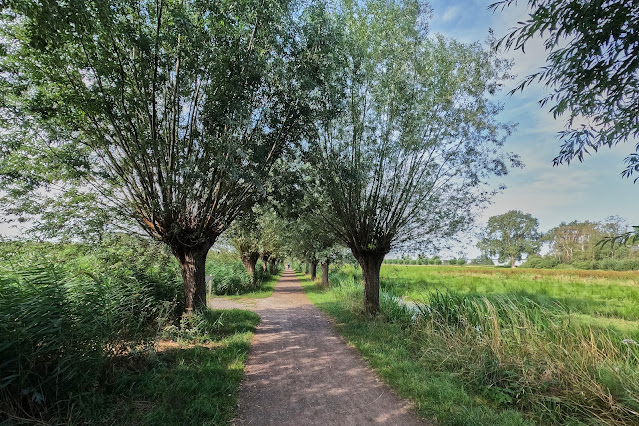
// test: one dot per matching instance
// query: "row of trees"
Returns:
(183, 116)
(511, 235)
(180, 117)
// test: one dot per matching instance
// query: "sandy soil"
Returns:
(301, 372)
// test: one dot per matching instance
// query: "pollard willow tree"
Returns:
(169, 111)
(408, 159)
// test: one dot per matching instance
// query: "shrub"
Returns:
(61, 324)
(230, 278)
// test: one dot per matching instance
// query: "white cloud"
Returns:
(450, 13)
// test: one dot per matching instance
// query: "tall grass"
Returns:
(229, 276)
(62, 324)
(522, 354)
(509, 351)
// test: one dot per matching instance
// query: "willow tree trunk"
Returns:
(249, 260)
(273, 264)
(371, 264)
(193, 263)
(512, 261)
(265, 262)
(306, 268)
(313, 270)
(325, 274)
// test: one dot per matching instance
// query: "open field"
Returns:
(492, 346)
(608, 298)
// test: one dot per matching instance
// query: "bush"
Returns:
(62, 324)
(231, 278)
(539, 262)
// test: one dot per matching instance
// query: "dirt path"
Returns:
(300, 372)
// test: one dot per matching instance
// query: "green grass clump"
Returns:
(193, 383)
(79, 331)
(502, 360)
(229, 277)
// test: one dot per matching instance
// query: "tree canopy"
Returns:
(408, 158)
(168, 112)
(592, 70)
(510, 235)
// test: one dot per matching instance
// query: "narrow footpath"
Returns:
(301, 372)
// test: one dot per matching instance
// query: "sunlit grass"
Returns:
(183, 384)
(510, 355)
(598, 297)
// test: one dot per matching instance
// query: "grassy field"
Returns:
(492, 346)
(607, 298)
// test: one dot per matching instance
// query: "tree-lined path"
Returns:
(300, 372)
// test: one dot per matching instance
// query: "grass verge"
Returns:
(392, 350)
(506, 361)
(192, 380)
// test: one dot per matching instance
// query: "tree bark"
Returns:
(249, 260)
(325, 274)
(306, 268)
(273, 264)
(512, 261)
(313, 270)
(192, 262)
(371, 264)
(265, 262)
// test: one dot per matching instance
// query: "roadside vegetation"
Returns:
(94, 334)
(490, 356)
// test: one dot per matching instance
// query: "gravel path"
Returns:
(301, 372)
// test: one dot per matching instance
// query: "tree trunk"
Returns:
(273, 264)
(371, 264)
(313, 270)
(512, 261)
(192, 263)
(306, 268)
(249, 260)
(265, 262)
(325, 274)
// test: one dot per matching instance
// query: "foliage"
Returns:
(592, 69)
(408, 158)
(510, 235)
(170, 113)
(62, 326)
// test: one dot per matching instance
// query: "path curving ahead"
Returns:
(300, 372)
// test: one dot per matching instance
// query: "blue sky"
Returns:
(592, 190)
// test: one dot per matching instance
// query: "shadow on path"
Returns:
(300, 372)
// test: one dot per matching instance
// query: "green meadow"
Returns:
(495, 346)
(608, 298)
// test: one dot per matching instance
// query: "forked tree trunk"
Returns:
(192, 263)
(306, 268)
(249, 260)
(325, 274)
(313, 270)
(273, 264)
(265, 262)
(371, 264)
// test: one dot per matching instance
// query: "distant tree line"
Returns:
(576, 244)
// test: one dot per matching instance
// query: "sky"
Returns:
(592, 190)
